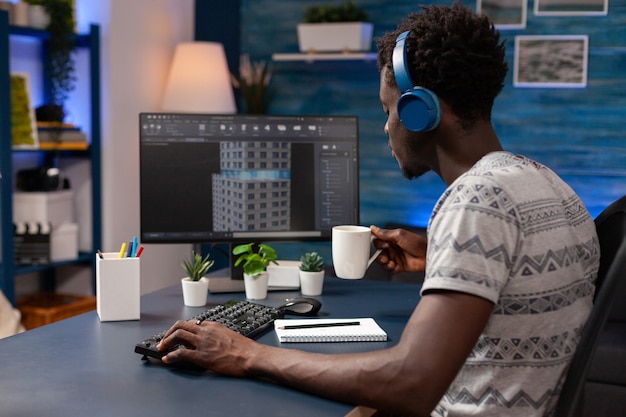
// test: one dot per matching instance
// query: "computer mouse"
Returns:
(301, 306)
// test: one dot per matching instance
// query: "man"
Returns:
(509, 264)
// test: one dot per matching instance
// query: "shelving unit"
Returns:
(8, 270)
(348, 56)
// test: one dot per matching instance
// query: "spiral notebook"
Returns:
(329, 330)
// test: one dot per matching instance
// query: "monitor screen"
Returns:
(242, 178)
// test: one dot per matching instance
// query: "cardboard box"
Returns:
(55, 207)
(285, 274)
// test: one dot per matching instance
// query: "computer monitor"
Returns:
(208, 178)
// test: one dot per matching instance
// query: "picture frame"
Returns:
(23, 121)
(554, 61)
(571, 7)
(504, 14)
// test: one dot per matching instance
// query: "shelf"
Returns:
(338, 56)
(89, 150)
(28, 31)
(75, 153)
(63, 146)
(82, 40)
(83, 258)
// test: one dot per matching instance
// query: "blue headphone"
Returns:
(418, 107)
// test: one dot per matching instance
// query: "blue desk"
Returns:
(82, 367)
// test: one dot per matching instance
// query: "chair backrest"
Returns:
(611, 227)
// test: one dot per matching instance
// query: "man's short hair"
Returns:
(454, 53)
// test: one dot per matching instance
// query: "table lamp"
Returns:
(199, 80)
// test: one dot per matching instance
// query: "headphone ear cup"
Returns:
(419, 110)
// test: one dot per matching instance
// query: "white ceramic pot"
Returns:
(20, 13)
(38, 17)
(195, 293)
(256, 286)
(311, 283)
(335, 37)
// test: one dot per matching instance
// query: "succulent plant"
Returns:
(197, 266)
(311, 262)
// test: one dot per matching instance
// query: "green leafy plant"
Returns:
(346, 12)
(196, 267)
(59, 69)
(311, 262)
(254, 262)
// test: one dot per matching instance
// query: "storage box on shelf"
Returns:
(54, 207)
(64, 242)
(40, 244)
(45, 228)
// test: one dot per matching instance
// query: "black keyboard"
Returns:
(244, 317)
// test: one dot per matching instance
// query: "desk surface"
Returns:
(83, 367)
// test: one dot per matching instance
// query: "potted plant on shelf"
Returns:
(255, 259)
(59, 70)
(195, 285)
(311, 273)
(253, 84)
(335, 28)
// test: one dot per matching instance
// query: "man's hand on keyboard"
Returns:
(209, 345)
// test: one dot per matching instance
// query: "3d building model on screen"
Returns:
(252, 190)
(210, 178)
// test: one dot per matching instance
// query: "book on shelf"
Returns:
(55, 125)
(63, 146)
(60, 135)
(329, 330)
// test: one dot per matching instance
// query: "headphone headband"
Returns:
(403, 79)
(418, 107)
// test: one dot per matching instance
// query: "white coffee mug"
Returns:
(351, 251)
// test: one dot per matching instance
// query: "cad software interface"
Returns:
(208, 178)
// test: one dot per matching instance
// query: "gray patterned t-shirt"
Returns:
(509, 230)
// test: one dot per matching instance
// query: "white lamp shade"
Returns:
(199, 80)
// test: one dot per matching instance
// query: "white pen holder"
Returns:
(117, 287)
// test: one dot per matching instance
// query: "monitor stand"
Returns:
(225, 284)
(227, 279)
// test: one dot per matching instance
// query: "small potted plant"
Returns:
(59, 70)
(311, 273)
(195, 285)
(335, 28)
(253, 84)
(255, 259)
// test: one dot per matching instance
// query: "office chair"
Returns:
(611, 228)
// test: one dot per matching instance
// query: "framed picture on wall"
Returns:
(23, 122)
(571, 7)
(505, 14)
(551, 61)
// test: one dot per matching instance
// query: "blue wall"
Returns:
(577, 132)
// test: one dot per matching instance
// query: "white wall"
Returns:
(138, 39)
